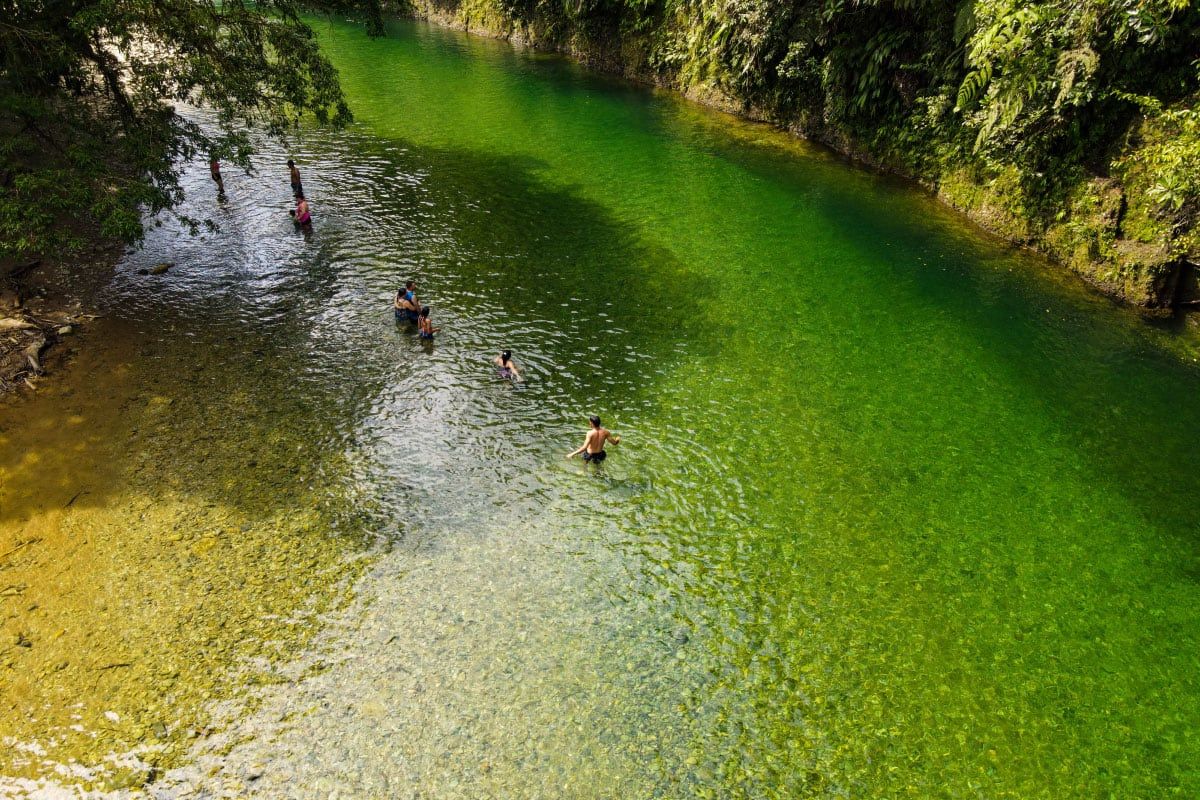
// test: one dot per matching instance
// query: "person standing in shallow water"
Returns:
(302, 216)
(425, 327)
(294, 174)
(593, 443)
(406, 305)
(214, 170)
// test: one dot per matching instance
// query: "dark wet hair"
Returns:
(424, 311)
(409, 284)
(506, 356)
(594, 420)
(300, 196)
(291, 163)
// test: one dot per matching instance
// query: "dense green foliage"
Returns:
(1069, 124)
(1030, 109)
(90, 139)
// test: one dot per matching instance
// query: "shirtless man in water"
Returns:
(593, 445)
(294, 176)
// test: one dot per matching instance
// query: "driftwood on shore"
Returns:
(23, 339)
(40, 306)
(21, 355)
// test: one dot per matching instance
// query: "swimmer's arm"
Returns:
(612, 437)
(582, 447)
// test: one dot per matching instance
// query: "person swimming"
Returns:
(407, 307)
(593, 443)
(424, 325)
(506, 367)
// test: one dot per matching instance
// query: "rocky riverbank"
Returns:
(44, 302)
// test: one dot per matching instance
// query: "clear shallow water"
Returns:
(897, 514)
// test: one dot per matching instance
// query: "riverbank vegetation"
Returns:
(1072, 127)
(1069, 126)
(91, 143)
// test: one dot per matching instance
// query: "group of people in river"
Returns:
(407, 308)
(301, 215)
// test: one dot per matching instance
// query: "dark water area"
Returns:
(898, 511)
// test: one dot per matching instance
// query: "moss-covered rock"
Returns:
(994, 203)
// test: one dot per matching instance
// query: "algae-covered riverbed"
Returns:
(895, 513)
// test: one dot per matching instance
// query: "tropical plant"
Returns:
(90, 140)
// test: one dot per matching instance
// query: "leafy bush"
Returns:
(1047, 95)
(89, 139)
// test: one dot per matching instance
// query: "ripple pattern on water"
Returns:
(884, 522)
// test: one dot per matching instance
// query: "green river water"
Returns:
(898, 512)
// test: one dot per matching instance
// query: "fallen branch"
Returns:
(25, 543)
(15, 324)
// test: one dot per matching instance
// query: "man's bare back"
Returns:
(597, 437)
(593, 443)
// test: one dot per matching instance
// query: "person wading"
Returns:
(406, 305)
(593, 444)
(294, 174)
(214, 169)
(425, 327)
(506, 367)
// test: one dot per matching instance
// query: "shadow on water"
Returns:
(261, 389)
(894, 532)
(1014, 318)
(254, 360)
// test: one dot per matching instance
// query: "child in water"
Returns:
(506, 366)
(425, 326)
(301, 216)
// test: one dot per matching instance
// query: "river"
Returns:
(898, 511)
